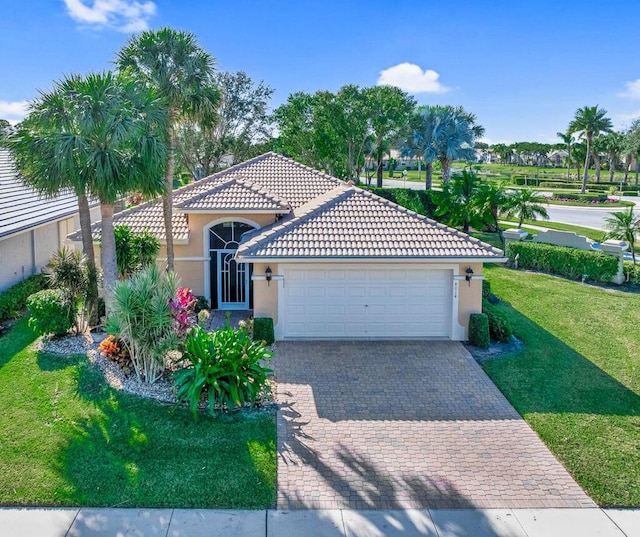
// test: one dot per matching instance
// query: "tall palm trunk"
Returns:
(84, 213)
(108, 254)
(167, 196)
(428, 176)
(597, 163)
(612, 166)
(587, 160)
(446, 170)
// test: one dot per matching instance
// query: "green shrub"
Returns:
(479, 330)
(225, 366)
(569, 262)
(134, 251)
(50, 312)
(418, 201)
(263, 330)
(499, 325)
(142, 319)
(14, 299)
(201, 304)
(486, 288)
(632, 272)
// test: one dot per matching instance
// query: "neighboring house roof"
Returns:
(21, 208)
(234, 195)
(349, 222)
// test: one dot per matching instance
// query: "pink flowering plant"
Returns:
(183, 310)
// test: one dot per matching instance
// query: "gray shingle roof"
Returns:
(21, 208)
(350, 222)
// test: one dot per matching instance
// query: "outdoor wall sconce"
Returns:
(267, 274)
(469, 275)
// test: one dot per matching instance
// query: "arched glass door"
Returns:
(230, 281)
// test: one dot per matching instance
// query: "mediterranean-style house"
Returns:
(32, 227)
(323, 258)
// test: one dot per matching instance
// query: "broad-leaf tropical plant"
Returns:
(182, 73)
(588, 122)
(457, 201)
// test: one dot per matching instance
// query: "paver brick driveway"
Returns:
(396, 425)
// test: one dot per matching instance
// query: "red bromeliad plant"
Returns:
(183, 310)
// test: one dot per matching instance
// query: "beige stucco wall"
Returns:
(265, 295)
(469, 295)
(26, 253)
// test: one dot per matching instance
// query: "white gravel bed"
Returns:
(162, 390)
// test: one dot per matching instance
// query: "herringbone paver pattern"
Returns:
(397, 425)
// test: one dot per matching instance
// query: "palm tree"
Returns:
(182, 73)
(107, 145)
(567, 139)
(451, 136)
(613, 144)
(492, 200)
(589, 121)
(457, 202)
(422, 136)
(623, 226)
(525, 204)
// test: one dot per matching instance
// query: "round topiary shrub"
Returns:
(499, 325)
(263, 330)
(50, 312)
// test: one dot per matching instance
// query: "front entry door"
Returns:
(233, 282)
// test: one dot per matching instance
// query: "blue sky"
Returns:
(522, 67)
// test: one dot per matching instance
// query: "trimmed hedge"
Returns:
(632, 272)
(50, 312)
(419, 201)
(263, 330)
(479, 330)
(499, 325)
(568, 262)
(486, 288)
(14, 299)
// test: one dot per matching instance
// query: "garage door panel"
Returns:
(367, 302)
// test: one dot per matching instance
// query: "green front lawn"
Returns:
(577, 382)
(68, 439)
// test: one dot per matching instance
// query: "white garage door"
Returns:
(385, 302)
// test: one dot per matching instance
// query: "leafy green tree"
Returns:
(623, 226)
(589, 121)
(503, 151)
(389, 111)
(491, 201)
(568, 140)
(526, 204)
(613, 145)
(182, 73)
(240, 123)
(578, 155)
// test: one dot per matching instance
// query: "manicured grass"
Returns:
(587, 204)
(68, 439)
(577, 382)
(588, 232)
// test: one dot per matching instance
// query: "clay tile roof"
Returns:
(283, 178)
(350, 222)
(147, 216)
(233, 194)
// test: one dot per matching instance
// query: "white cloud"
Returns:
(121, 15)
(632, 91)
(410, 77)
(14, 111)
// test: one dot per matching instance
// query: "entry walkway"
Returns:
(329, 523)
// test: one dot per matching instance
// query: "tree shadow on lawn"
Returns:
(549, 376)
(133, 452)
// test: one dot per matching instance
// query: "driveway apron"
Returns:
(399, 425)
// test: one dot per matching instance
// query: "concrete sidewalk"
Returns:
(88, 522)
